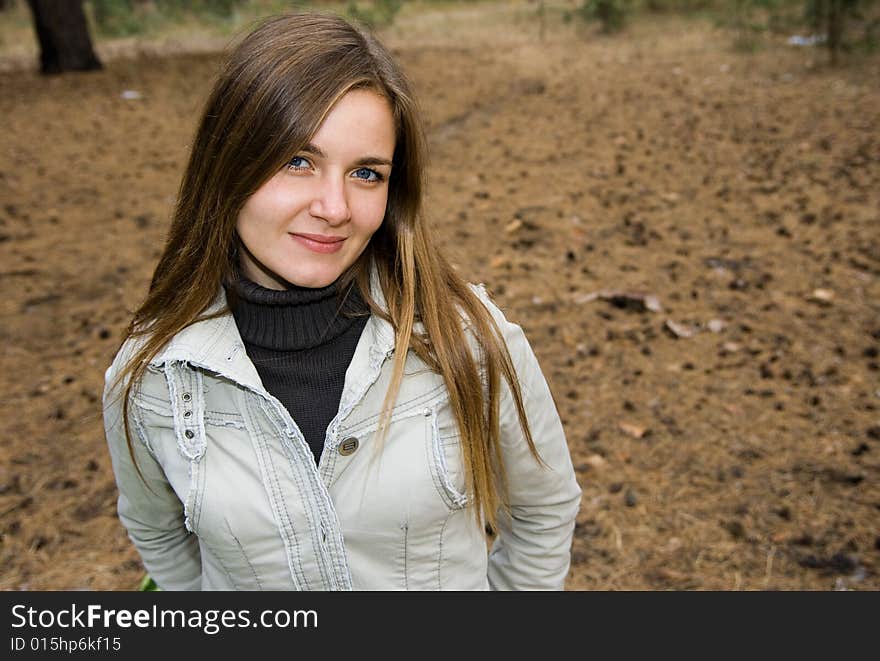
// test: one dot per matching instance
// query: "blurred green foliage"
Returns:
(611, 14)
(119, 18)
(678, 6)
(841, 24)
(375, 14)
(116, 17)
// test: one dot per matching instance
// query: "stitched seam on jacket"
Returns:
(189, 501)
(293, 444)
(416, 411)
(440, 549)
(270, 483)
(140, 430)
(281, 502)
(433, 469)
(301, 461)
(143, 403)
(457, 498)
(221, 563)
(218, 421)
(349, 400)
(201, 477)
(399, 412)
(405, 527)
(243, 554)
(161, 407)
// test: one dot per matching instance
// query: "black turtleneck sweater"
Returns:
(301, 343)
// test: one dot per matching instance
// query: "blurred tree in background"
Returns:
(830, 17)
(63, 35)
(62, 26)
(839, 24)
(611, 14)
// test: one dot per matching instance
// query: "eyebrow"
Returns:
(366, 160)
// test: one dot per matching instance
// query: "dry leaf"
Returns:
(733, 409)
(821, 296)
(678, 330)
(636, 431)
(596, 461)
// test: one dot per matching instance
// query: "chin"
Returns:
(311, 280)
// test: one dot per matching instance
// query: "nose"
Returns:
(330, 203)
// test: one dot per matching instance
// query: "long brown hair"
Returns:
(271, 96)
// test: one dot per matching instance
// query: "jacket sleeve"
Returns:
(149, 509)
(532, 550)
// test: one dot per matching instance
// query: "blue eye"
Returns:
(298, 163)
(366, 174)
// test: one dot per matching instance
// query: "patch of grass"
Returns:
(147, 584)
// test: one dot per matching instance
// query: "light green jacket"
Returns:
(233, 498)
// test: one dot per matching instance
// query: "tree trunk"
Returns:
(817, 13)
(835, 28)
(65, 44)
(542, 20)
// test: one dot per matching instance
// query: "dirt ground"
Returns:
(726, 432)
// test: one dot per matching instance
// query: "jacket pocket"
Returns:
(443, 445)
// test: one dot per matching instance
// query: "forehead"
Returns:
(360, 121)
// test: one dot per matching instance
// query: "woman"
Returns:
(310, 397)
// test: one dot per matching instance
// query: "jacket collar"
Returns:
(216, 345)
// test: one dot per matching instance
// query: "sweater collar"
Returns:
(293, 319)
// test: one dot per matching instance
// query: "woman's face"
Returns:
(311, 221)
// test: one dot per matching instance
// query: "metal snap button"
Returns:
(348, 446)
(189, 433)
(187, 414)
(186, 397)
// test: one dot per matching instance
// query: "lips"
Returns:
(320, 238)
(319, 243)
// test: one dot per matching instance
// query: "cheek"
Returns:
(249, 219)
(264, 208)
(372, 213)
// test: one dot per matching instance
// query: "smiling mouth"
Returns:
(318, 242)
(320, 238)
